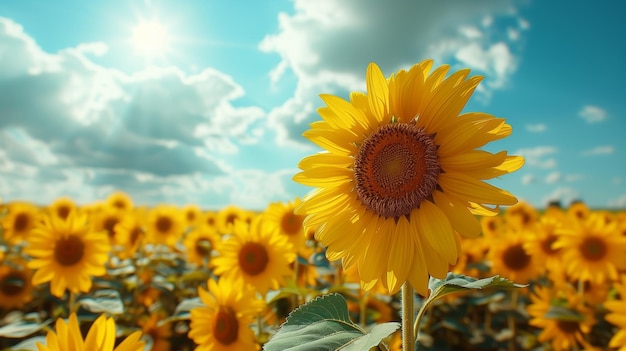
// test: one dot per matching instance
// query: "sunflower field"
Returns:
(401, 245)
(172, 278)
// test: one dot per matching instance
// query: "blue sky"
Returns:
(213, 114)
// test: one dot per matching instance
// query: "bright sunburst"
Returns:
(151, 38)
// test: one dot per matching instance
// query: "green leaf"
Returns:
(563, 314)
(21, 329)
(458, 282)
(103, 301)
(324, 324)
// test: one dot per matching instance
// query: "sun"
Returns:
(151, 38)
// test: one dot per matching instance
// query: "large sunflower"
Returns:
(19, 221)
(100, 337)
(224, 322)
(592, 249)
(255, 255)
(401, 173)
(67, 253)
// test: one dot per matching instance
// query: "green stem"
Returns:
(71, 303)
(408, 339)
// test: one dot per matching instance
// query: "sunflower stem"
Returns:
(511, 320)
(408, 339)
(71, 303)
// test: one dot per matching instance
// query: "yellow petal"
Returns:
(325, 158)
(464, 187)
(324, 176)
(377, 91)
(436, 229)
(461, 219)
(400, 256)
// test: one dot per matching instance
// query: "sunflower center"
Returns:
(63, 211)
(253, 258)
(396, 168)
(593, 249)
(230, 218)
(21, 222)
(12, 284)
(291, 223)
(119, 204)
(546, 245)
(515, 258)
(568, 327)
(109, 226)
(163, 224)
(203, 247)
(225, 326)
(69, 250)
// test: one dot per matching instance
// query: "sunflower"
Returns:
(67, 253)
(578, 210)
(492, 226)
(565, 329)
(617, 315)
(165, 224)
(106, 221)
(129, 233)
(226, 218)
(509, 259)
(209, 218)
(280, 218)
(62, 207)
(160, 335)
(100, 337)
(402, 173)
(521, 216)
(193, 215)
(592, 249)
(224, 322)
(200, 243)
(255, 255)
(119, 200)
(19, 221)
(539, 244)
(15, 286)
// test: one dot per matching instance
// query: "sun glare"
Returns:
(151, 38)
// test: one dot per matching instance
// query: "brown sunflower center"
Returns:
(191, 216)
(203, 247)
(568, 327)
(546, 245)
(69, 250)
(22, 220)
(291, 223)
(119, 204)
(593, 249)
(230, 218)
(396, 168)
(515, 258)
(253, 258)
(12, 284)
(163, 224)
(109, 225)
(63, 211)
(225, 326)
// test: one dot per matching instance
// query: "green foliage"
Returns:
(324, 324)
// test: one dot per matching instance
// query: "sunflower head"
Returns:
(19, 221)
(401, 173)
(62, 207)
(254, 255)
(223, 322)
(15, 286)
(67, 253)
(100, 337)
(165, 224)
(120, 201)
(200, 243)
(281, 219)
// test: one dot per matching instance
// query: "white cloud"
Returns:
(574, 177)
(528, 178)
(564, 195)
(536, 128)
(592, 114)
(599, 150)
(328, 44)
(619, 202)
(71, 126)
(554, 177)
(537, 156)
